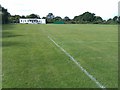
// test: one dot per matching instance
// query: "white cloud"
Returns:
(71, 8)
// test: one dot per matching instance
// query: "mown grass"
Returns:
(30, 59)
(0, 56)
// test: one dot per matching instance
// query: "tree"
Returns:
(0, 14)
(5, 15)
(33, 16)
(14, 18)
(88, 17)
(115, 19)
(98, 20)
(23, 16)
(43, 17)
(110, 21)
(66, 18)
(50, 18)
(118, 19)
(76, 19)
(57, 18)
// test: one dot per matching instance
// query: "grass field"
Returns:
(32, 60)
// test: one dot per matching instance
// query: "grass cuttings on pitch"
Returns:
(31, 60)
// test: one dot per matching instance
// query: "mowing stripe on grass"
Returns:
(106, 41)
(78, 64)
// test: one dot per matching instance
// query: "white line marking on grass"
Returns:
(78, 64)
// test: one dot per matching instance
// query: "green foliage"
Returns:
(85, 18)
(14, 18)
(57, 18)
(33, 16)
(110, 21)
(5, 15)
(50, 18)
(0, 15)
(98, 20)
(59, 22)
(23, 16)
(119, 20)
(88, 17)
(66, 18)
(115, 19)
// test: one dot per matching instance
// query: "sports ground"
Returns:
(60, 56)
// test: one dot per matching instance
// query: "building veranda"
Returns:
(32, 21)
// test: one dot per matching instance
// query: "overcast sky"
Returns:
(104, 8)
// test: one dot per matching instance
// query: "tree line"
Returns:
(85, 18)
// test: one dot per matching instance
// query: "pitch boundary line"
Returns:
(78, 64)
